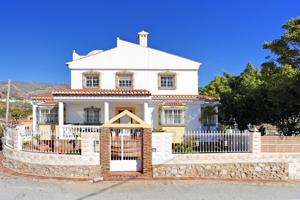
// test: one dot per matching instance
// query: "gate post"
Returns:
(105, 151)
(147, 152)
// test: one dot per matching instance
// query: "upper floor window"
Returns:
(91, 80)
(92, 115)
(172, 116)
(124, 80)
(48, 115)
(167, 81)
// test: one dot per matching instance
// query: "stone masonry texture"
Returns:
(245, 171)
(53, 170)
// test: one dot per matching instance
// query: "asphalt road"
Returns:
(12, 187)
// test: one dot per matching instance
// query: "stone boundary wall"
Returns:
(65, 171)
(243, 171)
(291, 159)
(52, 165)
(280, 144)
(51, 159)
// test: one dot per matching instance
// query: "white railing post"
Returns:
(34, 118)
(19, 141)
(106, 111)
(61, 118)
(255, 141)
(147, 117)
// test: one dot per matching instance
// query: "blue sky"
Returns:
(37, 37)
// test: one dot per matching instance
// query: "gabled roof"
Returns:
(118, 57)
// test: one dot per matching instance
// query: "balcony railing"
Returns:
(74, 131)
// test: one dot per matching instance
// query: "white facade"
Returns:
(145, 66)
(187, 80)
(145, 63)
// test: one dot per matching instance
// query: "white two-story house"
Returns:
(159, 87)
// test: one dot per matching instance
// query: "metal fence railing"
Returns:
(48, 142)
(213, 142)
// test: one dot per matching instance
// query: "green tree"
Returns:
(287, 47)
(207, 114)
(239, 104)
(217, 86)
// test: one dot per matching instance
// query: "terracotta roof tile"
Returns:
(50, 103)
(104, 92)
(172, 103)
(47, 96)
(183, 97)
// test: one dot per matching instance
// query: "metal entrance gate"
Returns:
(126, 149)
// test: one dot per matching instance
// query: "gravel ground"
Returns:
(12, 187)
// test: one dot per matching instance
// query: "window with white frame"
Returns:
(167, 81)
(48, 115)
(172, 116)
(92, 115)
(91, 80)
(124, 80)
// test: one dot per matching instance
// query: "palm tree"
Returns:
(207, 114)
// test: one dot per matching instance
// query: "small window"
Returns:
(91, 115)
(166, 81)
(124, 80)
(91, 80)
(172, 116)
(48, 115)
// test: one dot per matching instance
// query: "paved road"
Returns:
(24, 188)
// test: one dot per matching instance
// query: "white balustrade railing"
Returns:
(74, 131)
(229, 141)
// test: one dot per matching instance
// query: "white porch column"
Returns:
(147, 117)
(34, 118)
(61, 118)
(106, 111)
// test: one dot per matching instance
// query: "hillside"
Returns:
(24, 90)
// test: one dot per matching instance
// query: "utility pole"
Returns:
(7, 103)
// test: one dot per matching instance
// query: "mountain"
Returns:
(24, 90)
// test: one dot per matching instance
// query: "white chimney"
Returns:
(143, 38)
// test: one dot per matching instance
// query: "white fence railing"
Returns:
(213, 142)
(74, 131)
(9, 136)
(23, 138)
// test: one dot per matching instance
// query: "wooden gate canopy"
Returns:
(138, 122)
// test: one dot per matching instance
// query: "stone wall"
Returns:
(51, 159)
(280, 144)
(66, 171)
(53, 165)
(245, 171)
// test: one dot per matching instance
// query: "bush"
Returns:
(160, 129)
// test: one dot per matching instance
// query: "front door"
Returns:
(126, 149)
